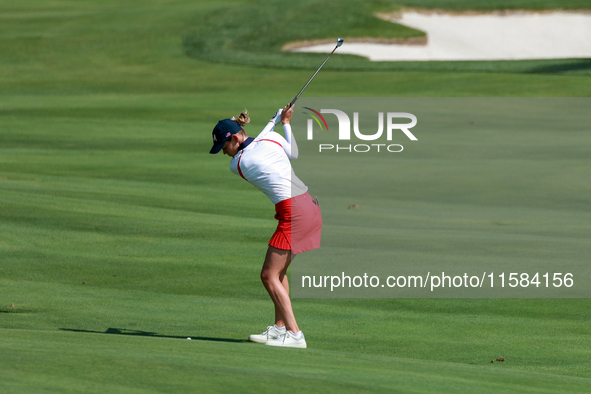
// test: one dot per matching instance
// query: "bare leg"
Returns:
(274, 278)
(279, 319)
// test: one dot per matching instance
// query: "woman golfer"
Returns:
(264, 162)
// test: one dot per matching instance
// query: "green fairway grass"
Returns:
(120, 236)
(203, 365)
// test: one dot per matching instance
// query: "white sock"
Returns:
(279, 328)
(297, 335)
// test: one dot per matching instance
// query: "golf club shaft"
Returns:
(310, 80)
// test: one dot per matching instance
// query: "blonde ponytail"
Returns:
(242, 118)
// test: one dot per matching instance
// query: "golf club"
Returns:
(339, 43)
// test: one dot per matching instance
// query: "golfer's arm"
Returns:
(292, 147)
(268, 128)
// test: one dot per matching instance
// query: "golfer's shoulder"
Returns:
(273, 136)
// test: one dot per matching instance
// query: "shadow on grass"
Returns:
(124, 331)
(576, 65)
(14, 310)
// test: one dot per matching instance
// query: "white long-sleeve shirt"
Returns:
(265, 163)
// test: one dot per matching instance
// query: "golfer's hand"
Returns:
(286, 114)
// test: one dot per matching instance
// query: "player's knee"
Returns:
(268, 277)
(265, 276)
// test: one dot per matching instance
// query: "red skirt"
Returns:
(300, 224)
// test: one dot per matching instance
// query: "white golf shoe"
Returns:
(288, 339)
(271, 333)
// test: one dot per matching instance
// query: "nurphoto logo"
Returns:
(345, 130)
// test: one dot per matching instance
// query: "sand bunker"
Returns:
(496, 36)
